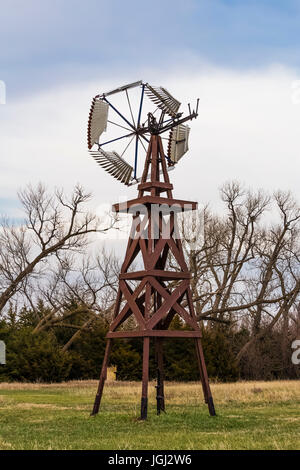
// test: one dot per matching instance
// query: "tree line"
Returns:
(57, 300)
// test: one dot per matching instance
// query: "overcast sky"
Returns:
(241, 58)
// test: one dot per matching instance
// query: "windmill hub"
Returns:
(153, 125)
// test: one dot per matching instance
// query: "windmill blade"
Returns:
(97, 121)
(162, 98)
(178, 142)
(114, 165)
(123, 88)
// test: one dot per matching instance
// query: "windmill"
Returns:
(122, 132)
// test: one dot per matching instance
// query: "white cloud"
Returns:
(247, 129)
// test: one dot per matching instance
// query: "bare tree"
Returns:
(277, 256)
(243, 268)
(53, 225)
(83, 289)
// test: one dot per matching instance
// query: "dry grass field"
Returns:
(250, 415)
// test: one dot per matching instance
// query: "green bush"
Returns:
(87, 353)
(39, 357)
(35, 358)
(127, 361)
(219, 356)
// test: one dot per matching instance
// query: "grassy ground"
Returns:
(250, 415)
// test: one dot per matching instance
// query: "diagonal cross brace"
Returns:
(170, 300)
(181, 289)
(121, 316)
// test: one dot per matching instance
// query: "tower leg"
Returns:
(204, 378)
(102, 378)
(145, 378)
(160, 395)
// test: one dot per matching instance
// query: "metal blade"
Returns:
(123, 88)
(178, 142)
(97, 121)
(113, 164)
(163, 99)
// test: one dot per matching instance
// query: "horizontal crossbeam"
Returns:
(157, 273)
(136, 205)
(154, 333)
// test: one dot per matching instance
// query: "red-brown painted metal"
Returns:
(153, 303)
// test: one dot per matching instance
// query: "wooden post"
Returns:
(160, 394)
(102, 378)
(145, 378)
(204, 378)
